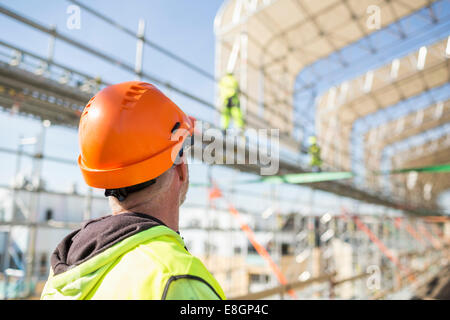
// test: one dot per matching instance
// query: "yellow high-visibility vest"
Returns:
(228, 87)
(152, 264)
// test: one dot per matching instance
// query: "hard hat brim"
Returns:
(137, 172)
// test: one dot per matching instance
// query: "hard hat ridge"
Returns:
(125, 135)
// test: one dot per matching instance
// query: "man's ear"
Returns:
(181, 169)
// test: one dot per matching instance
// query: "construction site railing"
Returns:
(283, 289)
(331, 279)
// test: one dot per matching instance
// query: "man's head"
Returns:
(131, 134)
(169, 190)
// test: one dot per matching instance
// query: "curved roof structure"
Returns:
(377, 139)
(268, 42)
(363, 112)
(422, 188)
(376, 90)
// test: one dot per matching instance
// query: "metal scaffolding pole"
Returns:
(6, 256)
(34, 207)
(140, 49)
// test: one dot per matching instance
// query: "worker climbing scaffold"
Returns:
(230, 105)
(314, 152)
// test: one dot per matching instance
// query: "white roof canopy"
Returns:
(268, 42)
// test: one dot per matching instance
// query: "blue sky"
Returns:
(169, 23)
(184, 27)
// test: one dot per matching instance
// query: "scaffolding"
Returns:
(372, 240)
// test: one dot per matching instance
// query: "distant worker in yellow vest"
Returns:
(314, 152)
(230, 105)
(132, 141)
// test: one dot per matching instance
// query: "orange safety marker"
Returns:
(251, 237)
(214, 193)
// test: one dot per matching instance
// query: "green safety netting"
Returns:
(434, 168)
(311, 177)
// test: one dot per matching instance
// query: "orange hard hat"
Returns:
(130, 133)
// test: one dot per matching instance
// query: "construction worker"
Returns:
(314, 152)
(132, 142)
(230, 106)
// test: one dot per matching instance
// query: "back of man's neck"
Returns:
(169, 218)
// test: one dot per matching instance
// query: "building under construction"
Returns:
(365, 82)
